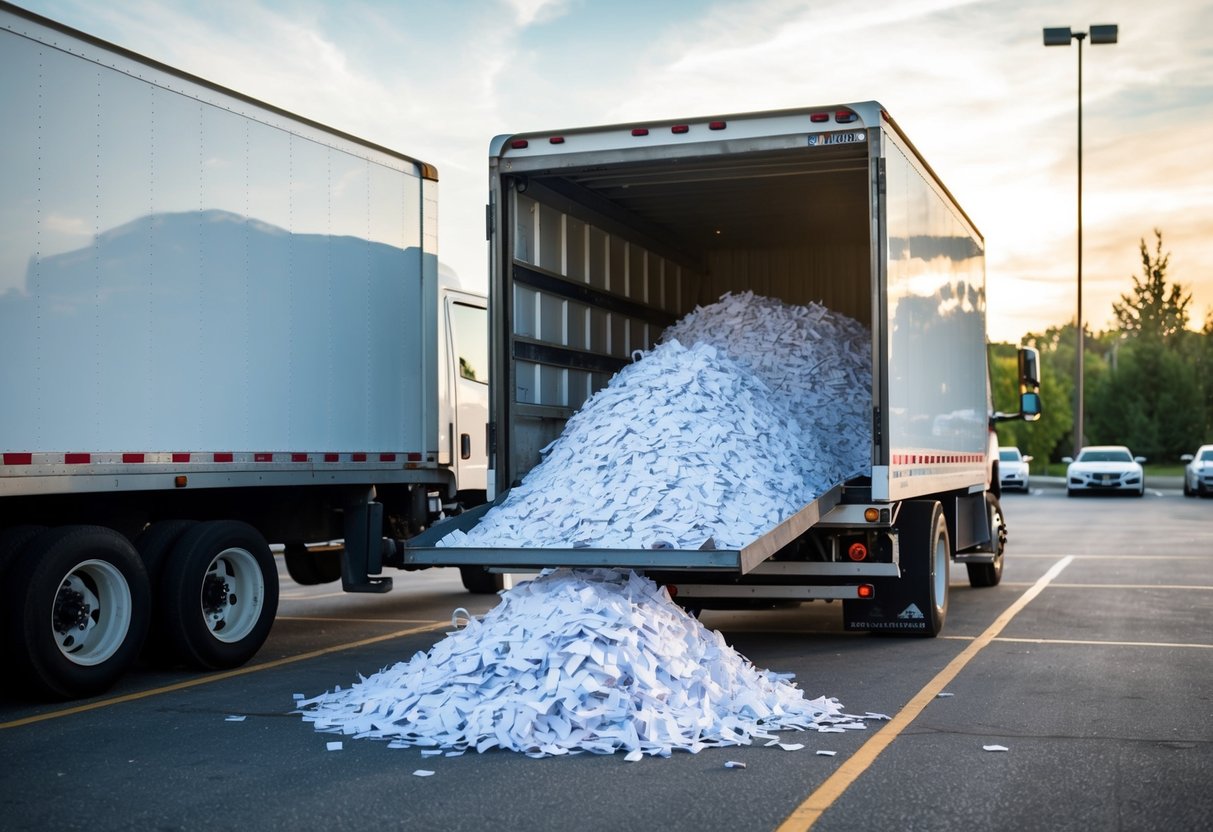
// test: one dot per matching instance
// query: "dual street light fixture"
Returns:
(1061, 36)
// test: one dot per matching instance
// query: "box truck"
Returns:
(601, 237)
(222, 326)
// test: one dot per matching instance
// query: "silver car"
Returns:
(1198, 473)
(1110, 468)
(1013, 469)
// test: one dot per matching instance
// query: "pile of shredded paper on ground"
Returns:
(748, 409)
(577, 661)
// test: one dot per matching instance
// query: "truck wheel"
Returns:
(989, 574)
(154, 545)
(309, 568)
(479, 581)
(927, 557)
(76, 610)
(220, 593)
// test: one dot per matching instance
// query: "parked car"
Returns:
(1198, 473)
(1111, 468)
(1013, 468)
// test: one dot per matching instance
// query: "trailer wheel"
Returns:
(220, 593)
(76, 610)
(925, 532)
(154, 545)
(309, 568)
(989, 574)
(480, 581)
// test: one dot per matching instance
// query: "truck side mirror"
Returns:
(1030, 406)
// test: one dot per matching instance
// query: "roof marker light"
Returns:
(640, 131)
(845, 116)
(680, 128)
(819, 118)
(717, 125)
(519, 144)
(556, 140)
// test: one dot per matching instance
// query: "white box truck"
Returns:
(603, 236)
(222, 327)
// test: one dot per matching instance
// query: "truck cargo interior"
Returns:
(792, 225)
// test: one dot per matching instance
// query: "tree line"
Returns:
(1148, 379)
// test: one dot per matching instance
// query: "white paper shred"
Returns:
(234, 718)
(994, 748)
(791, 746)
(746, 411)
(422, 772)
(333, 746)
(734, 764)
(821, 752)
(576, 661)
(943, 695)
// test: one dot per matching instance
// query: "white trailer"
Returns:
(222, 326)
(603, 236)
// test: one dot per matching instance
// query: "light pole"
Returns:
(1061, 36)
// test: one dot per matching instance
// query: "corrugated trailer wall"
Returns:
(565, 246)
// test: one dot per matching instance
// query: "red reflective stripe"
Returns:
(387, 457)
(299, 458)
(18, 459)
(181, 457)
(132, 457)
(359, 457)
(414, 457)
(263, 457)
(77, 459)
(224, 457)
(332, 457)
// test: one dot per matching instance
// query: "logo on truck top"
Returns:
(846, 137)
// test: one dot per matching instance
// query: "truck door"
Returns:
(468, 328)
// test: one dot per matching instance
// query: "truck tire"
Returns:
(154, 545)
(76, 610)
(219, 592)
(480, 581)
(926, 556)
(989, 574)
(309, 568)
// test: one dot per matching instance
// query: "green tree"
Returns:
(1154, 309)
(1153, 393)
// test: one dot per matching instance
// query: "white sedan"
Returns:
(1012, 468)
(1198, 473)
(1111, 468)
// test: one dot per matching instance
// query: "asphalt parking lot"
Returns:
(1090, 663)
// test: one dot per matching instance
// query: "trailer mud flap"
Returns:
(893, 610)
(916, 604)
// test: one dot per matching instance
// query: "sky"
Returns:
(987, 104)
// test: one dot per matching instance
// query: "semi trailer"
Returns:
(222, 326)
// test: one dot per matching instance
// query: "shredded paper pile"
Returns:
(572, 661)
(747, 410)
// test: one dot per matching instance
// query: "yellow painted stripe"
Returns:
(342, 619)
(1114, 557)
(219, 677)
(1193, 645)
(806, 814)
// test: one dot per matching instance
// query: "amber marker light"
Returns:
(871, 514)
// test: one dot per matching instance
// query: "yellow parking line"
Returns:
(1093, 643)
(219, 677)
(349, 620)
(1050, 556)
(807, 813)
